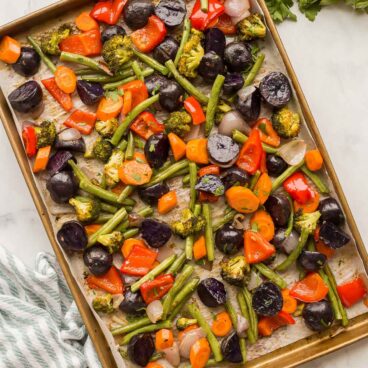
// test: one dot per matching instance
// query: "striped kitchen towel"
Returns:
(40, 326)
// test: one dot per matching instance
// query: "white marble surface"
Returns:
(330, 57)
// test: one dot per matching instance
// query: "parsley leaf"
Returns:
(310, 8)
(280, 10)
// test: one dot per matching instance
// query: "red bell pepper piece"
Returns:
(83, 121)
(256, 247)
(146, 125)
(298, 188)
(64, 99)
(30, 140)
(195, 110)
(139, 261)
(263, 165)
(201, 20)
(267, 325)
(207, 197)
(352, 292)
(108, 11)
(86, 43)
(157, 288)
(139, 92)
(310, 289)
(111, 281)
(251, 153)
(210, 169)
(225, 24)
(152, 34)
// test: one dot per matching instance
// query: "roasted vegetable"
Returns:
(50, 41)
(133, 303)
(62, 186)
(101, 149)
(117, 51)
(156, 150)
(267, 299)
(98, 259)
(211, 292)
(318, 316)
(155, 233)
(182, 323)
(188, 224)
(286, 123)
(72, 236)
(178, 122)
(251, 28)
(112, 241)
(307, 222)
(137, 12)
(27, 97)
(234, 270)
(333, 236)
(103, 303)
(46, 133)
(275, 89)
(229, 239)
(111, 169)
(192, 55)
(86, 209)
(28, 62)
(106, 128)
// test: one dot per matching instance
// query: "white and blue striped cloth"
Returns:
(40, 326)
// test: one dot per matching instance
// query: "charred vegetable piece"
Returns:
(233, 83)
(312, 261)
(152, 194)
(214, 40)
(251, 28)
(211, 292)
(275, 165)
(275, 89)
(72, 236)
(223, 150)
(166, 50)
(211, 184)
(155, 233)
(46, 133)
(234, 270)
(171, 12)
(230, 348)
(97, 259)
(62, 186)
(171, 96)
(188, 224)
(59, 162)
(267, 299)
(286, 123)
(103, 303)
(178, 122)
(333, 236)
(87, 209)
(210, 66)
(318, 316)
(117, 51)
(250, 106)
(331, 211)
(112, 31)
(89, 93)
(229, 239)
(141, 349)
(156, 150)
(28, 62)
(27, 97)
(237, 56)
(133, 303)
(182, 323)
(278, 207)
(77, 145)
(235, 176)
(154, 82)
(137, 12)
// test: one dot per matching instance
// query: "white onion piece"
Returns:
(293, 152)
(172, 354)
(236, 20)
(164, 363)
(70, 134)
(194, 133)
(154, 311)
(236, 7)
(246, 92)
(242, 326)
(164, 252)
(290, 243)
(230, 121)
(116, 300)
(254, 281)
(188, 340)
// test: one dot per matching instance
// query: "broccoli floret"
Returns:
(103, 303)
(106, 128)
(112, 241)
(86, 209)
(178, 122)
(117, 51)
(251, 28)
(101, 149)
(46, 133)
(192, 55)
(111, 169)
(286, 123)
(234, 270)
(50, 41)
(182, 323)
(188, 224)
(307, 222)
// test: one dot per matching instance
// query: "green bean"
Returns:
(242, 138)
(153, 273)
(131, 326)
(125, 193)
(186, 179)
(84, 60)
(85, 71)
(318, 182)
(46, 60)
(138, 143)
(130, 117)
(271, 275)
(206, 209)
(103, 218)
(227, 218)
(122, 145)
(104, 194)
(177, 264)
(252, 314)
(154, 64)
(113, 85)
(167, 173)
(230, 309)
(144, 329)
(189, 240)
(175, 311)
(287, 173)
(179, 173)
(244, 311)
(108, 208)
(129, 153)
(254, 71)
(254, 180)
(185, 291)
(193, 182)
(215, 346)
(98, 78)
(183, 41)
(290, 224)
(137, 70)
(130, 233)
(189, 87)
(204, 6)
(212, 103)
(332, 296)
(144, 212)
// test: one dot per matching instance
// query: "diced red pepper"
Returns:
(298, 188)
(352, 292)
(201, 20)
(210, 169)
(111, 281)
(86, 43)
(108, 11)
(30, 140)
(64, 99)
(157, 288)
(146, 125)
(152, 34)
(83, 121)
(256, 247)
(139, 261)
(251, 153)
(195, 110)
(263, 165)
(139, 92)
(225, 24)
(267, 325)
(310, 289)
